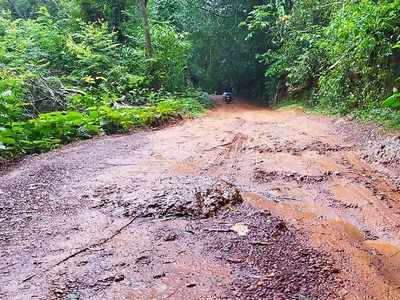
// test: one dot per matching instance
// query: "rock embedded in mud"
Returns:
(241, 229)
(73, 296)
(119, 278)
(159, 275)
(217, 196)
(169, 237)
(193, 197)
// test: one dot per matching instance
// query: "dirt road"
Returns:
(245, 203)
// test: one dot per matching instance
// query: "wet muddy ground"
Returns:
(245, 203)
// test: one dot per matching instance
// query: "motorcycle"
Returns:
(228, 97)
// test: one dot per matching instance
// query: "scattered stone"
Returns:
(351, 205)
(281, 226)
(58, 291)
(189, 229)
(241, 229)
(144, 260)
(119, 278)
(160, 275)
(82, 263)
(170, 236)
(73, 296)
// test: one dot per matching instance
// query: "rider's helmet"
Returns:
(227, 89)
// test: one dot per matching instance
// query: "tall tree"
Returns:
(146, 27)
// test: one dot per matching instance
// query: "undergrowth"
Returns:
(50, 130)
(384, 116)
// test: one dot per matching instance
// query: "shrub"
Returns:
(51, 130)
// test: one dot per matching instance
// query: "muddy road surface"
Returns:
(245, 203)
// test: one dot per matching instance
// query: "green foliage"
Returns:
(63, 70)
(31, 45)
(171, 56)
(220, 55)
(11, 104)
(51, 130)
(64, 63)
(393, 101)
(91, 51)
(359, 45)
(343, 56)
(25, 9)
(292, 33)
(114, 13)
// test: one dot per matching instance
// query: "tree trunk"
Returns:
(14, 7)
(118, 17)
(146, 27)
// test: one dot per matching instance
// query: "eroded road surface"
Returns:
(245, 203)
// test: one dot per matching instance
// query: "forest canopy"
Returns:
(67, 65)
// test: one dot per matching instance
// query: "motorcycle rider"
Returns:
(227, 95)
(227, 90)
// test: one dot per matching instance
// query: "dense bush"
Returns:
(359, 45)
(49, 131)
(61, 76)
(11, 95)
(338, 55)
(67, 60)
